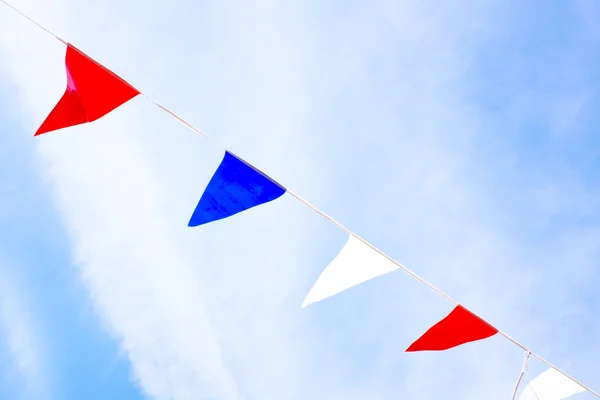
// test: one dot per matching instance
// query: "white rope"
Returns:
(326, 216)
(521, 375)
(33, 21)
(183, 121)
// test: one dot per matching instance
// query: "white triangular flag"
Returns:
(550, 385)
(355, 264)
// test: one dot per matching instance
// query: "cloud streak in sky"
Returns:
(145, 280)
(21, 336)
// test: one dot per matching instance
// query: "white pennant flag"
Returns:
(355, 264)
(550, 385)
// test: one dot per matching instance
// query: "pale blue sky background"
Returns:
(461, 138)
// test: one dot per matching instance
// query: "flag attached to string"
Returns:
(551, 385)
(356, 263)
(92, 92)
(236, 186)
(459, 327)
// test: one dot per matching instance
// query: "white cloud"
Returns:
(128, 225)
(21, 337)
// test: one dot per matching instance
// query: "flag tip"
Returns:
(194, 221)
(308, 300)
(40, 131)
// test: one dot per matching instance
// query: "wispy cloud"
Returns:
(21, 336)
(131, 241)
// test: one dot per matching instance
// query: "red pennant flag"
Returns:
(459, 327)
(92, 92)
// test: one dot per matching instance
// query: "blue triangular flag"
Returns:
(235, 187)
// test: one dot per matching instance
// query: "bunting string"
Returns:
(514, 396)
(339, 225)
(183, 121)
(34, 22)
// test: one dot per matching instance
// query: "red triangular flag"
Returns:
(459, 327)
(92, 92)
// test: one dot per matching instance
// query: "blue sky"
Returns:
(458, 138)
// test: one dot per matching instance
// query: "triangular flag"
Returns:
(459, 327)
(92, 92)
(550, 385)
(356, 263)
(235, 187)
